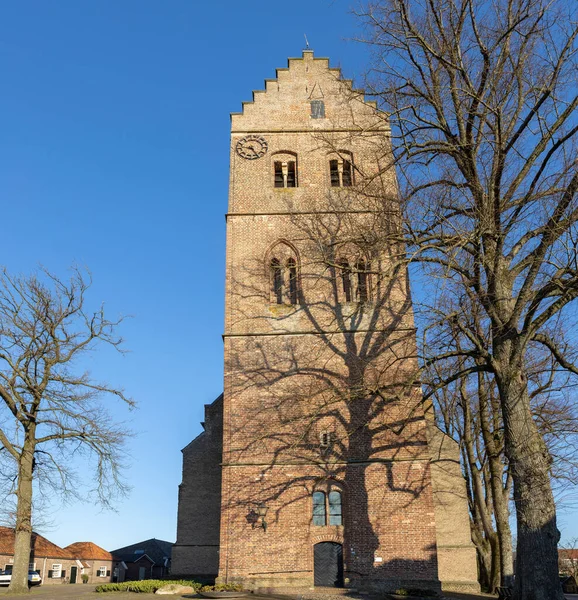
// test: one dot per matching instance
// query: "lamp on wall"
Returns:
(262, 513)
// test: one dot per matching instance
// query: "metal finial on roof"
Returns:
(306, 42)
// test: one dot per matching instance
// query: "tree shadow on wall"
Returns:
(322, 388)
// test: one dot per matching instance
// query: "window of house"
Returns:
(56, 571)
(285, 171)
(341, 172)
(317, 109)
(327, 504)
(326, 439)
(8, 569)
(102, 572)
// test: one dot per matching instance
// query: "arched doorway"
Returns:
(328, 564)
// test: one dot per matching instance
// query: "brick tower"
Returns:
(326, 466)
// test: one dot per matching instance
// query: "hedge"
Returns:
(146, 586)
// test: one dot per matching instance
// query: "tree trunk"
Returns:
(502, 517)
(23, 529)
(536, 553)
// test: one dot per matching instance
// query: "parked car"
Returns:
(33, 578)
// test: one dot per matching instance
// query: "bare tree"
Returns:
(49, 409)
(482, 99)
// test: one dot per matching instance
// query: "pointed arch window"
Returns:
(319, 510)
(283, 275)
(353, 278)
(277, 280)
(362, 283)
(292, 275)
(327, 507)
(345, 280)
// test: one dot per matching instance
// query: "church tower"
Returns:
(326, 457)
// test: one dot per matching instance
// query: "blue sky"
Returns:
(114, 137)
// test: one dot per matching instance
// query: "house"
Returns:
(53, 563)
(568, 561)
(97, 564)
(150, 559)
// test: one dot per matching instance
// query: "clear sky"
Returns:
(114, 137)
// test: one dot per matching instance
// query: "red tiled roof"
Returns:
(40, 545)
(88, 551)
(568, 553)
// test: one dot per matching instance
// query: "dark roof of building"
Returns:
(40, 545)
(157, 550)
(133, 558)
(88, 551)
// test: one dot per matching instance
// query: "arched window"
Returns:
(283, 274)
(292, 274)
(362, 283)
(352, 275)
(319, 510)
(341, 169)
(284, 170)
(345, 280)
(277, 280)
(335, 510)
(327, 507)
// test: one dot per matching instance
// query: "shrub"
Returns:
(222, 587)
(420, 593)
(147, 586)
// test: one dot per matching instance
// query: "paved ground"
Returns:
(86, 592)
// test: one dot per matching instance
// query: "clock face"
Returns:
(252, 146)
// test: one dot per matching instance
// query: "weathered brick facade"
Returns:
(322, 420)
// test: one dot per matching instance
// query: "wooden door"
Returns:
(73, 571)
(328, 564)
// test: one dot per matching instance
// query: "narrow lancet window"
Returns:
(319, 514)
(292, 272)
(362, 293)
(277, 280)
(335, 512)
(346, 281)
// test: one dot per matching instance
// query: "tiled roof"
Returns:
(571, 553)
(40, 545)
(157, 550)
(89, 551)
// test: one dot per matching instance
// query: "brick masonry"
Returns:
(324, 365)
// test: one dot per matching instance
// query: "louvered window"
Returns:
(317, 109)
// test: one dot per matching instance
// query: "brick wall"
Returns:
(196, 551)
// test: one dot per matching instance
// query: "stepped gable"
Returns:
(40, 545)
(88, 551)
(305, 79)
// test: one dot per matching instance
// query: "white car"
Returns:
(33, 578)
